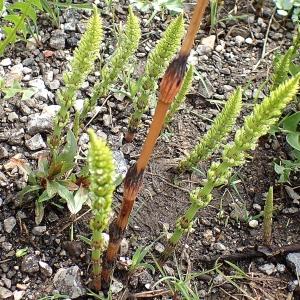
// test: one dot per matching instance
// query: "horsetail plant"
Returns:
(169, 87)
(101, 169)
(219, 130)
(128, 45)
(81, 65)
(157, 63)
(180, 98)
(256, 125)
(268, 215)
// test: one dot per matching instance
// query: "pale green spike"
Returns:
(81, 65)
(157, 63)
(101, 167)
(219, 130)
(128, 45)
(256, 125)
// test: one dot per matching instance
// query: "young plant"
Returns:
(219, 130)
(268, 215)
(128, 44)
(180, 98)
(20, 15)
(81, 65)
(156, 64)
(256, 125)
(169, 87)
(101, 169)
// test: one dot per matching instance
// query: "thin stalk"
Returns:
(169, 87)
(268, 215)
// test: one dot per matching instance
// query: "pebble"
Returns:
(70, 26)
(18, 295)
(293, 260)
(54, 85)
(9, 224)
(78, 105)
(209, 41)
(159, 247)
(239, 40)
(58, 40)
(5, 293)
(280, 268)
(219, 279)
(116, 287)
(30, 264)
(68, 282)
(219, 246)
(35, 143)
(268, 268)
(3, 152)
(6, 62)
(124, 247)
(106, 120)
(6, 246)
(12, 116)
(249, 41)
(39, 230)
(253, 223)
(257, 207)
(208, 237)
(45, 269)
(120, 163)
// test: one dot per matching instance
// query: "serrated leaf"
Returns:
(25, 9)
(80, 197)
(36, 3)
(293, 139)
(15, 19)
(39, 213)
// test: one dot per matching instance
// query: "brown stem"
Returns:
(169, 87)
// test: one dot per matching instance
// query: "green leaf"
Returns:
(39, 212)
(36, 3)
(64, 193)
(28, 189)
(294, 69)
(25, 9)
(52, 188)
(70, 149)
(76, 202)
(21, 252)
(85, 239)
(291, 123)
(293, 139)
(43, 197)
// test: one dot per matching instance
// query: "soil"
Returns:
(165, 194)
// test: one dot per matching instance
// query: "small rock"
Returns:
(292, 285)
(159, 247)
(58, 40)
(9, 224)
(209, 41)
(219, 246)
(39, 230)
(78, 105)
(70, 26)
(54, 85)
(203, 50)
(257, 207)
(208, 237)
(120, 163)
(239, 40)
(5, 293)
(67, 281)
(280, 268)
(35, 143)
(116, 287)
(106, 120)
(12, 116)
(219, 279)
(6, 246)
(30, 264)
(45, 269)
(145, 278)
(219, 48)
(253, 223)
(249, 41)
(18, 295)
(37, 83)
(268, 268)
(5, 62)
(3, 152)
(124, 247)
(292, 194)
(293, 260)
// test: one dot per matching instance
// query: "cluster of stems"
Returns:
(256, 125)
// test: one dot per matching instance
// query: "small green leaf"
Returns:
(21, 252)
(52, 188)
(39, 212)
(28, 189)
(291, 122)
(76, 202)
(70, 149)
(43, 197)
(293, 139)
(64, 193)
(85, 239)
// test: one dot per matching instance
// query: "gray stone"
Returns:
(293, 260)
(219, 246)
(39, 123)
(203, 50)
(106, 120)
(58, 40)
(39, 230)
(45, 269)
(18, 295)
(9, 224)
(120, 163)
(7, 282)
(67, 281)
(124, 247)
(253, 223)
(5, 293)
(37, 83)
(219, 279)
(35, 143)
(12, 116)
(145, 278)
(249, 41)
(239, 40)
(54, 85)
(5, 62)
(6, 246)
(280, 268)
(268, 269)
(116, 287)
(78, 105)
(159, 247)
(70, 26)
(209, 41)
(3, 152)
(30, 264)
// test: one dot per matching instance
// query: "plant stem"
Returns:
(268, 215)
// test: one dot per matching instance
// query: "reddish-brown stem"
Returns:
(169, 87)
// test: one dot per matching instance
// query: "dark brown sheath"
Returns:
(169, 87)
